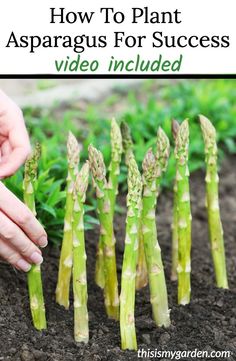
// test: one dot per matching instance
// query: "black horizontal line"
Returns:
(119, 76)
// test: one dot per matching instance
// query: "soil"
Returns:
(207, 323)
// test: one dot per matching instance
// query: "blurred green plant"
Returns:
(154, 103)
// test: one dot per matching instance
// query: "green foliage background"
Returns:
(153, 104)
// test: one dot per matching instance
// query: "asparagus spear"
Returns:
(99, 266)
(65, 265)
(34, 275)
(114, 168)
(127, 141)
(153, 168)
(214, 219)
(141, 271)
(184, 213)
(175, 128)
(174, 263)
(127, 298)
(81, 331)
(114, 171)
(105, 215)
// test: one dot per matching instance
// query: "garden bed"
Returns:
(207, 323)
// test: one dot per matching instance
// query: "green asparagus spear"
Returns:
(184, 213)
(127, 298)
(65, 265)
(114, 168)
(153, 168)
(34, 275)
(141, 268)
(99, 266)
(212, 197)
(127, 141)
(141, 271)
(174, 227)
(114, 171)
(105, 215)
(175, 128)
(81, 330)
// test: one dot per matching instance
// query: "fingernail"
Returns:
(36, 258)
(43, 241)
(23, 265)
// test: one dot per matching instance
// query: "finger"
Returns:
(15, 237)
(10, 163)
(10, 255)
(6, 148)
(22, 216)
(5, 151)
(19, 142)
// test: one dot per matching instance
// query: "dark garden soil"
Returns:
(207, 323)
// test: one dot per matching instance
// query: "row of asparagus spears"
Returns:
(142, 260)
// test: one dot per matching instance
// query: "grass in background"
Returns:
(154, 103)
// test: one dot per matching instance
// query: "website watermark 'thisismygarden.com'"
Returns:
(179, 355)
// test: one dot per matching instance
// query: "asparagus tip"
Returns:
(81, 182)
(116, 140)
(174, 127)
(36, 152)
(134, 183)
(149, 165)
(96, 163)
(126, 136)
(182, 138)
(31, 164)
(207, 127)
(163, 149)
(73, 150)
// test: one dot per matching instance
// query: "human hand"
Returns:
(14, 139)
(20, 232)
